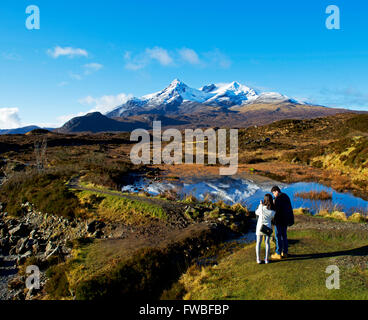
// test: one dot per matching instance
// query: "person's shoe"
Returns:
(259, 261)
(284, 255)
(276, 256)
(266, 262)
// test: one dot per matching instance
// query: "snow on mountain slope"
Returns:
(178, 93)
(229, 94)
(176, 90)
(273, 97)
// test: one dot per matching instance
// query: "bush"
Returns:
(57, 285)
(357, 217)
(302, 211)
(338, 215)
(46, 190)
(110, 175)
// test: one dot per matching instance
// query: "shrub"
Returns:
(46, 190)
(357, 217)
(338, 215)
(302, 211)
(57, 285)
(238, 208)
(190, 199)
(323, 213)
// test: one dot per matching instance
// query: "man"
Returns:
(284, 218)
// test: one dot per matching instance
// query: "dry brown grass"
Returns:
(314, 195)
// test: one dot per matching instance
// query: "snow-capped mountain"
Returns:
(229, 94)
(178, 96)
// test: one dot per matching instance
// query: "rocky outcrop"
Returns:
(39, 236)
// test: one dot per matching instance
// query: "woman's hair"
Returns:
(268, 202)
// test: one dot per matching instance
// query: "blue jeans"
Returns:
(281, 239)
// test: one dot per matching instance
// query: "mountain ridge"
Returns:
(171, 98)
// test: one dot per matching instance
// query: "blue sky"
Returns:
(93, 55)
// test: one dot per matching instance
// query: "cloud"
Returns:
(159, 54)
(135, 63)
(348, 97)
(11, 56)
(149, 55)
(189, 55)
(9, 118)
(216, 57)
(75, 76)
(177, 57)
(105, 103)
(102, 104)
(63, 83)
(87, 70)
(66, 51)
(92, 67)
(62, 119)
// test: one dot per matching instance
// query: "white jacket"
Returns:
(265, 217)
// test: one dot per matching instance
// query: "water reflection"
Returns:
(247, 192)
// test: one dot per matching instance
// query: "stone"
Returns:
(33, 234)
(49, 247)
(19, 295)
(54, 252)
(20, 231)
(22, 259)
(12, 223)
(36, 248)
(3, 232)
(4, 243)
(21, 246)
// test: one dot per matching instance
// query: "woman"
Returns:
(265, 213)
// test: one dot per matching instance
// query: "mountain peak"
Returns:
(178, 94)
(176, 84)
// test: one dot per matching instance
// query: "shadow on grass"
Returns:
(362, 251)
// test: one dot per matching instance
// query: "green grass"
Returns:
(118, 208)
(303, 276)
(126, 268)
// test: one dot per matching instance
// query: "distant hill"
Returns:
(96, 122)
(23, 130)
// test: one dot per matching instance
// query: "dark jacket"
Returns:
(284, 211)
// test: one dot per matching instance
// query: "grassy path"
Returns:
(302, 276)
(174, 210)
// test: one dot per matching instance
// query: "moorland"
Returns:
(62, 209)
